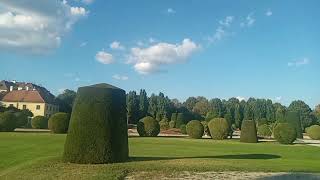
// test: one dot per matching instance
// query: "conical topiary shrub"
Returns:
(98, 126)
(248, 132)
(293, 118)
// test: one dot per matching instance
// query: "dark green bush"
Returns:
(98, 130)
(195, 129)
(206, 128)
(7, 122)
(39, 122)
(180, 120)
(285, 133)
(264, 130)
(314, 132)
(164, 125)
(219, 128)
(21, 119)
(183, 129)
(59, 122)
(172, 124)
(248, 132)
(148, 126)
(293, 118)
(173, 117)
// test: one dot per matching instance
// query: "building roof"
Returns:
(28, 96)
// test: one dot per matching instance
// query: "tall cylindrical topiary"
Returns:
(39, 122)
(285, 133)
(98, 126)
(59, 122)
(148, 126)
(314, 132)
(248, 132)
(195, 129)
(219, 128)
(180, 120)
(293, 118)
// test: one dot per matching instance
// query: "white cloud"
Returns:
(171, 11)
(116, 45)
(87, 1)
(35, 26)
(299, 62)
(104, 57)
(269, 12)
(148, 60)
(83, 44)
(227, 21)
(221, 31)
(61, 90)
(119, 77)
(240, 98)
(77, 79)
(277, 99)
(249, 21)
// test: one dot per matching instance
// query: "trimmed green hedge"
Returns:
(98, 130)
(39, 122)
(285, 133)
(195, 129)
(264, 131)
(293, 118)
(148, 126)
(183, 129)
(180, 120)
(59, 122)
(248, 132)
(7, 122)
(219, 128)
(172, 124)
(314, 132)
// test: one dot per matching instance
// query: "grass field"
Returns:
(38, 156)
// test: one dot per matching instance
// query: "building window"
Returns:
(38, 107)
(10, 105)
(24, 106)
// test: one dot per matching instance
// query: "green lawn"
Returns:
(38, 156)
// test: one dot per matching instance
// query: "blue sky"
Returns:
(263, 49)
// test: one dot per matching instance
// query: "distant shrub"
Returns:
(264, 130)
(183, 129)
(39, 122)
(285, 133)
(180, 120)
(173, 117)
(248, 132)
(195, 129)
(21, 119)
(7, 122)
(314, 132)
(293, 118)
(59, 122)
(219, 128)
(164, 125)
(148, 126)
(206, 128)
(172, 124)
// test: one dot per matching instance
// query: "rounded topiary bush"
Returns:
(39, 122)
(183, 129)
(264, 131)
(314, 132)
(59, 122)
(98, 130)
(248, 132)
(148, 126)
(172, 124)
(285, 133)
(7, 122)
(293, 118)
(195, 129)
(219, 128)
(164, 125)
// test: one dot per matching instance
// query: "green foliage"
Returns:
(181, 119)
(305, 113)
(285, 133)
(148, 127)
(210, 115)
(59, 123)
(183, 129)
(206, 128)
(195, 129)
(164, 125)
(39, 122)
(174, 116)
(132, 107)
(98, 126)
(248, 132)
(293, 118)
(190, 103)
(21, 119)
(219, 128)
(66, 100)
(201, 107)
(143, 103)
(262, 121)
(172, 124)
(314, 132)
(7, 122)
(264, 130)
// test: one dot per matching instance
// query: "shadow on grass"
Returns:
(293, 176)
(236, 156)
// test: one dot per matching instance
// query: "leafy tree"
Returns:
(65, 100)
(216, 107)
(248, 112)
(143, 103)
(201, 107)
(238, 115)
(132, 107)
(190, 103)
(153, 105)
(305, 113)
